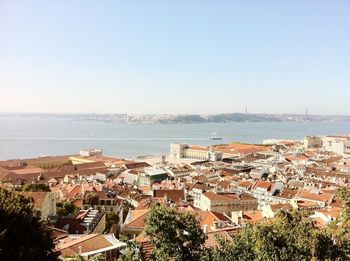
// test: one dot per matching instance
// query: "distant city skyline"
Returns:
(175, 57)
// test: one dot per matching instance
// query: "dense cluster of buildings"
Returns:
(225, 186)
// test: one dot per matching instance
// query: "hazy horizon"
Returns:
(181, 57)
(136, 113)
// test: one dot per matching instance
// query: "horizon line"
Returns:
(174, 114)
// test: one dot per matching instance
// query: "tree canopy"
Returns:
(92, 199)
(112, 220)
(290, 235)
(34, 187)
(340, 229)
(131, 252)
(174, 234)
(66, 208)
(23, 235)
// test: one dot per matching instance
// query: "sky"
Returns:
(175, 56)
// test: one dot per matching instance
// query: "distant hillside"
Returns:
(187, 118)
(241, 117)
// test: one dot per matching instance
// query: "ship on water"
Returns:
(215, 137)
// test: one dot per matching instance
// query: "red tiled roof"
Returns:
(87, 243)
(211, 240)
(138, 218)
(323, 197)
(220, 197)
(253, 216)
(245, 184)
(263, 184)
(38, 198)
(173, 195)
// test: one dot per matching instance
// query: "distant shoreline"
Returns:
(184, 118)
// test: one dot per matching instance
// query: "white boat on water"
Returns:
(215, 137)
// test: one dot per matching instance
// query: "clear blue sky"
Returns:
(175, 56)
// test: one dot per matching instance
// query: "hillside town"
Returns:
(92, 201)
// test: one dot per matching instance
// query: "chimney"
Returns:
(205, 229)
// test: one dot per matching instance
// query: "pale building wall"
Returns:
(49, 206)
(224, 206)
(205, 203)
(267, 211)
(101, 226)
(177, 150)
(312, 142)
(333, 145)
(196, 154)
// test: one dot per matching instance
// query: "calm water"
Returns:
(23, 137)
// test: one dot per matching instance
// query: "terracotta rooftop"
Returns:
(135, 165)
(202, 148)
(173, 195)
(38, 198)
(333, 212)
(138, 218)
(287, 193)
(208, 218)
(263, 185)
(212, 238)
(322, 197)
(71, 225)
(253, 216)
(88, 243)
(245, 184)
(278, 206)
(221, 197)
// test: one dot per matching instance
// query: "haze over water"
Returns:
(26, 137)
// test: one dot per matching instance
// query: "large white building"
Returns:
(337, 144)
(179, 151)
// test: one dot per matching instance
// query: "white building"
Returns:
(151, 175)
(337, 144)
(177, 150)
(91, 152)
(264, 191)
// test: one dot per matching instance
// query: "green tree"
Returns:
(340, 229)
(290, 236)
(98, 257)
(23, 235)
(112, 219)
(65, 208)
(34, 187)
(174, 234)
(126, 207)
(74, 258)
(131, 252)
(92, 199)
